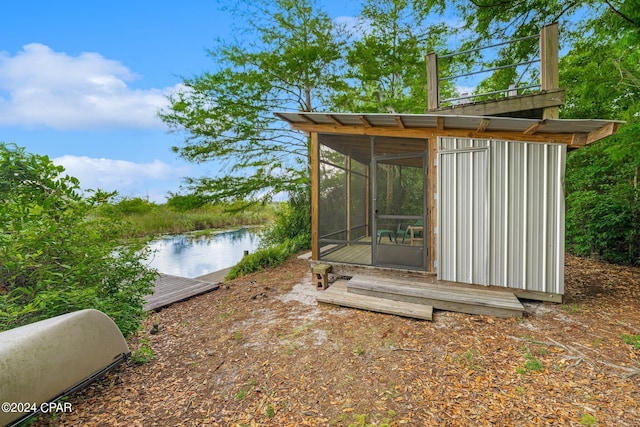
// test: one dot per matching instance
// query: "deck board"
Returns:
(169, 289)
(337, 294)
(471, 300)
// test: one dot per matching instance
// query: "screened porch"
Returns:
(372, 200)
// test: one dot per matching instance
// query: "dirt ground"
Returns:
(260, 351)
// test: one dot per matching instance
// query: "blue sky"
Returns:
(82, 81)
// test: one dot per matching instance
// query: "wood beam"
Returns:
(399, 122)
(364, 121)
(578, 140)
(484, 124)
(440, 122)
(556, 138)
(307, 119)
(534, 127)
(334, 119)
(605, 131)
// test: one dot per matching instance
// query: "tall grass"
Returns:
(150, 219)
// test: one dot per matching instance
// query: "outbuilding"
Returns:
(470, 193)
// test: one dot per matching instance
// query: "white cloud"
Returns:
(130, 179)
(41, 87)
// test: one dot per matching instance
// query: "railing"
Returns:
(547, 57)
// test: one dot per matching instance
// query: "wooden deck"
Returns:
(337, 294)
(442, 295)
(170, 289)
(351, 254)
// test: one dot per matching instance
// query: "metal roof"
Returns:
(484, 123)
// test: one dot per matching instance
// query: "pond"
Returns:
(194, 254)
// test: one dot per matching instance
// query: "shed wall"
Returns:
(501, 213)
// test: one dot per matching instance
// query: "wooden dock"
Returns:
(170, 289)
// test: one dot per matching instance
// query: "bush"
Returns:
(292, 221)
(290, 233)
(603, 198)
(58, 256)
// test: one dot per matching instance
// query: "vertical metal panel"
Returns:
(501, 213)
(463, 206)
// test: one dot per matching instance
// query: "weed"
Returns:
(632, 340)
(359, 350)
(362, 420)
(572, 308)
(531, 362)
(237, 336)
(270, 411)
(142, 354)
(242, 393)
(588, 420)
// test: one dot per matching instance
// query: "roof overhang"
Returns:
(574, 133)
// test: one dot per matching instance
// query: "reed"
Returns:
(152, 219)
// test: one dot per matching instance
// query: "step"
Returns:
(337, 294)
(449, 297)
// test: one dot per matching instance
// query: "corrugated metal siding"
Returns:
(501, 213)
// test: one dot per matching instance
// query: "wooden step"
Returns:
(337, 294)
(464, 299)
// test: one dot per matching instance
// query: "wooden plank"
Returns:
(530, 102)
(444, 297)
(169, 289)
(337, 294)
(534, 127)
(603, 132)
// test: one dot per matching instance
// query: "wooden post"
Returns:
(315, 195)
(433, 84)
(348, 196)
(549, 75)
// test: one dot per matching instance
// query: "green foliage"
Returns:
(266, 258)
(588, 420)
(58, 256)
(143, 354)
(532, 363)
(185, 202)
(290, 233)
(632, 340)
(163, 219)
(134, 205)
(292, 221)
(603, 198)
(386, 60)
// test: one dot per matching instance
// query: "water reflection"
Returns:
(192, 255)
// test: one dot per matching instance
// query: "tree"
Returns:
(386, 59)
(288, 58)
(56, 256)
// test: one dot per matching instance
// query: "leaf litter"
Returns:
(261, 352)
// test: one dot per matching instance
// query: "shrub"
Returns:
(58, 256)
